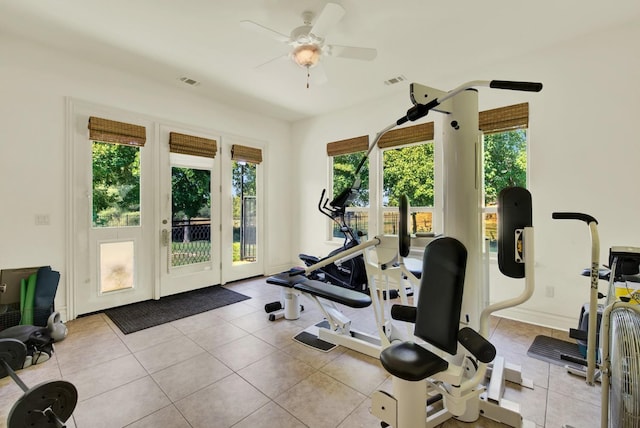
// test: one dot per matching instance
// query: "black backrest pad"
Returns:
(440, 299)
(514, 212)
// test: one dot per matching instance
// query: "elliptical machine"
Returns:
(349, 272)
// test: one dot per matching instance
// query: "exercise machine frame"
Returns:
(462, 160)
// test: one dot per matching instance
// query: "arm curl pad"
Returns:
(404, 313)
(480, 347)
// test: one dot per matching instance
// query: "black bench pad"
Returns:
(285, 280)
(412, 362)
(351, 298)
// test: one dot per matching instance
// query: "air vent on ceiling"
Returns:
(395, 80)
(189, 81)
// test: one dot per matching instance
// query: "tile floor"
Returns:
(231, 367)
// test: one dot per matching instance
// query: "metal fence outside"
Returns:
(190, 241)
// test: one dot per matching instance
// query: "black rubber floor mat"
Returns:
(309, 337)
(550, 349)
(150, 313)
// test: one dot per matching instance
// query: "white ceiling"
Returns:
(423, 40)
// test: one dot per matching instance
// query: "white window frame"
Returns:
(494, 209)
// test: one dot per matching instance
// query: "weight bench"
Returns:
(336, 330)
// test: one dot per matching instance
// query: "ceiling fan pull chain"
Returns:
(308, 76)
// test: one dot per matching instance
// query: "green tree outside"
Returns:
(505, 162)
(344, 169)
(243, 182)
(116, 184)
(409, 171)
(190, 192)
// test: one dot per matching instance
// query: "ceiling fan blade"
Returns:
(330, 16)
(273, 60)
(364, 54)
(261, 29)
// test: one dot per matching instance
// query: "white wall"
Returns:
(584, 156)
(34, 82)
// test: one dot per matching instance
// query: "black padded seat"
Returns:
(411, 362)
(351, 298)
(284, 279)
(437, 313)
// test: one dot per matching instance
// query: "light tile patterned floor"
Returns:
(231, 367)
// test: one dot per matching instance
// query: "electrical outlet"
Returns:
(42, 219)
(549, 291)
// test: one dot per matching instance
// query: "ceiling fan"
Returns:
(308, 40)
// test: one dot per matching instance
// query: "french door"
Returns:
(112, 216)
(242, 225)
(189, 213)
(150, 220)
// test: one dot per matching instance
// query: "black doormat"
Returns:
(150, 313)
(550, 349)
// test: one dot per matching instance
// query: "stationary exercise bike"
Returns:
(349, 272)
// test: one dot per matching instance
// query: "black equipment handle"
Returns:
(480, 347)
(404, 239)
(516, 86)
(574, 216)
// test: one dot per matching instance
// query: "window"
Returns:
(357, 214)
(191, 166)
(408, 171)
(190, 215)
(245, 161)
(244, 211)
(115, 152)
(409, 168)
(505, 159)
(116, 185)
(345, 156)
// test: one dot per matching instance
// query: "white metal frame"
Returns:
(462, 215)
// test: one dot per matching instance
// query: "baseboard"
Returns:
(272, 270)
(63, 313)
(542, 319)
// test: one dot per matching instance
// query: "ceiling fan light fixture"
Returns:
(306, 55)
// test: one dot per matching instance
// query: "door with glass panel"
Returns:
(242, 225)
(189, 214)
(112, 217)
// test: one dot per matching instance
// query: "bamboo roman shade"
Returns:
(246, 154)
(504, 118)
(111, 131)
(350, 145)
(407, 135)
(191, 145)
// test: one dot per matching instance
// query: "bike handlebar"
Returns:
(574, 216)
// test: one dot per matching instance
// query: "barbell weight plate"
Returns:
(13, 352)
(28, 411)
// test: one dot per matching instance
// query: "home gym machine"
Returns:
(432, 382)
(619, 364)
(462, 221)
